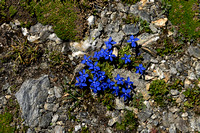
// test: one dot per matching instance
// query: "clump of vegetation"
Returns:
(2, 13)
(130, 1)
(138, 101)
(144, 25)
(185, 14)
(108, 100)
(12, 10)
(158, 90)
(193, 97)
(5, 120)
(58, 59)
(23, 53)
(167, 45)
(129, 122)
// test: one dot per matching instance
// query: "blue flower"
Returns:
(86, 60)
(116, 90)
(104, 85)
(94, 66)
(125, 93)
(126, 58)
(109, 55)
(140, 69)
(128, 83)
(109, 43)
(83, 75)
(132, 41)
(96, 55)
(101, 75)
(95, 85)
(110, 83)
(119, 79)
(80, 83)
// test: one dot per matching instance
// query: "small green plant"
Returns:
(167, 47)
(130, 1)
(5, 120)
(158, 90)
(57, 59)
(193, 97)
(107, 100)
(85, 130)
(12, 10)
(23, 53)
(129, 121)
(137, 101)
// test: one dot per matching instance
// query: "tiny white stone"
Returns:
(91, 20)
(24, 31)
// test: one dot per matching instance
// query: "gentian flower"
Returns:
(96, 55)
(116, 90)
(83, 75)
(94, 66)
(110, 83)
(109, 55)
(101, 75)
(109, 43)
(95, 85)
(132, 41)
(125, 93)
(128, 83)
(101, 53)
(119, 79)
(140, 69)
(86, 60)
(80, 83)
(104, 85)
(126, 58)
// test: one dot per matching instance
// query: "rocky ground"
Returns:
(38, 71)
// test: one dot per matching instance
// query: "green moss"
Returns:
(184, 14)
(62, 15)
(158, 89)
(108, 100)
(5, 120)
(129, 121)
(107, 67)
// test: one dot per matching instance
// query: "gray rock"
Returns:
(179, 66)
(197, 68)
(113, 16)
(147, 39)
(134, 10)
(172, 128)
(24, 31)
(55, 118)
(117, 37)
(48, 106)
(173, 70)
(130, 29)
(51, 98)
(108, 130)
(120, 7)
(198, 123)
(153, 28)
(174, 92)
(144, 115)
(45, 120)
(191, 75)
(119, 104)
(112, 121)
(77, 128)
(95, 34)
(144, 16)
(30, 130)
(100, 27)
(181, 125)
(58, 129)
(32, 93)
(112, 28)
(194, 51)
(54, 37)
(165, 120)
(58, 91)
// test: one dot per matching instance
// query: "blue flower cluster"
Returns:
(99, 81)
